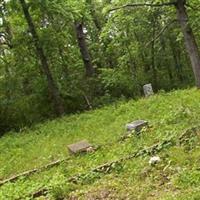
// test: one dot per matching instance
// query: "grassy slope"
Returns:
(169, 114)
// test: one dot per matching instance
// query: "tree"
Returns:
(84, 49)
(189, 38)
(53, 90)
(73, 53)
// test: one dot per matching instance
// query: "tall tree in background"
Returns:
(116, 45)
(89, 69)
(190, 40)
(53, 90)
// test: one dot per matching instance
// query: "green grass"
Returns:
(169, 114)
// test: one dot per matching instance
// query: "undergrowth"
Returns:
(175, 177)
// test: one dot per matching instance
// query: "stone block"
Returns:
(148, 90)
(136, 125)
(81, 146)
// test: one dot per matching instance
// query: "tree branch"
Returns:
(143, 4)
(161, 32)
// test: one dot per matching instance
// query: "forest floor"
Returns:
(171, 116)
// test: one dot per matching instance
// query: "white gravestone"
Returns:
(148, 90)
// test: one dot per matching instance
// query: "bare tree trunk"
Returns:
(84, 49)
(53, 90)
(190, 42)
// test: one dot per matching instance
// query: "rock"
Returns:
(154, 160)
(82, 146)
(136, 125)
(148, 90)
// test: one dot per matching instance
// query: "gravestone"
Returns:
(82, 146)
(136, 125)
(148, 90)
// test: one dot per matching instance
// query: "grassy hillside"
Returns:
(177, 176)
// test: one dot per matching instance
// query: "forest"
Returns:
(99, 100)
(65, 57)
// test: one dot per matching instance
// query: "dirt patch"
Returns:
(102, 194)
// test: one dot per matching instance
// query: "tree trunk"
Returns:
(53, 90)
(95, 36)
(190, 42)
(84, 50)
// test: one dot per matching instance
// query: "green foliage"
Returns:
(189, 178)
(178, 170)
(119, 44)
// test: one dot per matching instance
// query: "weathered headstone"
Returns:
(148, 90)
(82, 146)
(136, 125)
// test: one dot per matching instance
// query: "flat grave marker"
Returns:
(136, 125)
(79, 147)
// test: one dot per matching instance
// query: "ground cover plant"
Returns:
(83, 73)
(171, 116)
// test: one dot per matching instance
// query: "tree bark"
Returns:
(84, 49)
(190, 42)
(53, 90)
